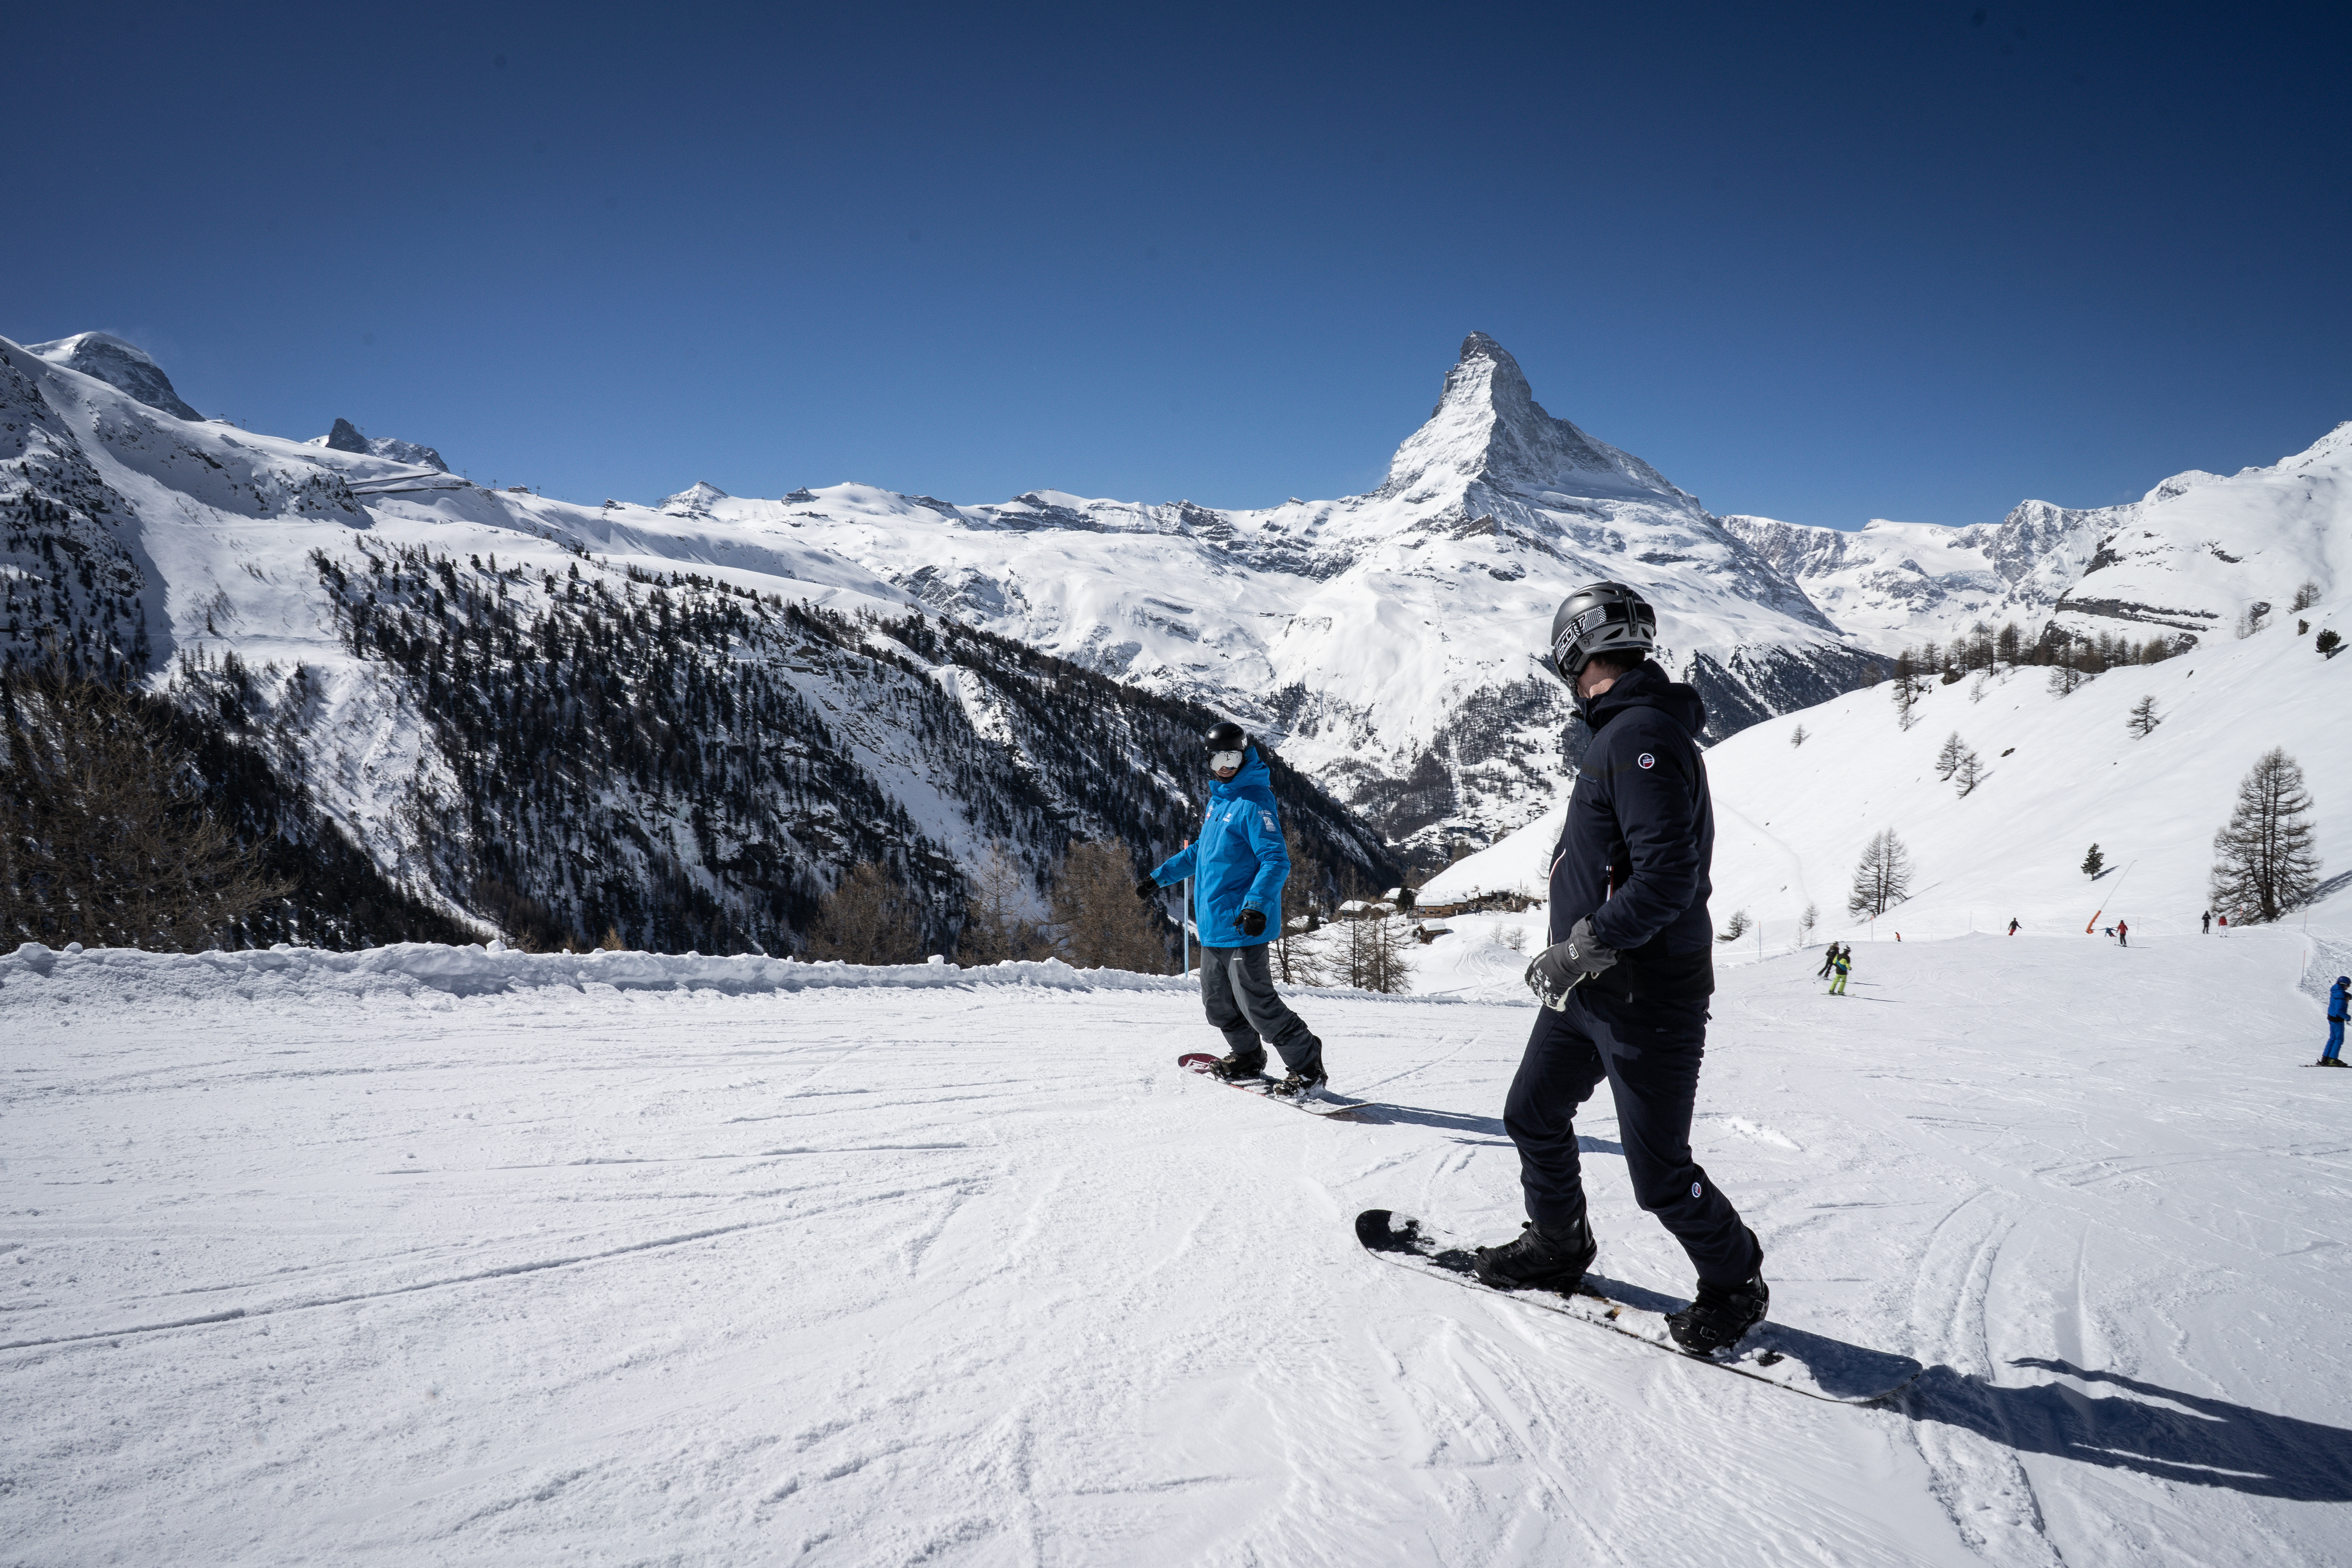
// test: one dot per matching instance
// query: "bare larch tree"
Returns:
(2264, 864)
(1882, 878)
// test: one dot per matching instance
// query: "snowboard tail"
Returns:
(1802, 1362)
(1321, 1102)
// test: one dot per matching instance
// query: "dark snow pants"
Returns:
(1237, 989)
(1649, 1050)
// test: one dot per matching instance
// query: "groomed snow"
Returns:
(452, 1256)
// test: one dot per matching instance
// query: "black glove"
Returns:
(1147, 890)
(1252, 922)
(1562, 967)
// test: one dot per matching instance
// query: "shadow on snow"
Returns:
(2174, 1437)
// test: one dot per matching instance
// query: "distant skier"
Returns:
(1238, 866)
(2330, 1057)
(2123, 934)
(2012, 925)
(1828, 961)
(1623, 986)
(1843, 964)
(2209, 922)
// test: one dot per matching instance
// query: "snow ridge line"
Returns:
(511, 1269)
(475, 970)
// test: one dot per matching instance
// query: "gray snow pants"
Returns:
(1237, 988)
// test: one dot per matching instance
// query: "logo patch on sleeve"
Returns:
(1647, 761)
(1267, 818)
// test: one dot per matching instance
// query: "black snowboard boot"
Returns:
(1233, 1066)
(1299, 1085)
(1719, 1318)
(1539, 1260)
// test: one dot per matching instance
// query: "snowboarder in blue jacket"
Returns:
(1238, 866)
(2331, 1056)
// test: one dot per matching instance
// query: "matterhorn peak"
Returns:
(1488, 427)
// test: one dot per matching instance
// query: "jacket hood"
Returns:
(1646, 686)
(1254, 776)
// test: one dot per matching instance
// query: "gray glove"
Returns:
(1562, 967)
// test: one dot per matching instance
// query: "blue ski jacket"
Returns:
(1238, 862)
(2335, 995)
(1638, 845)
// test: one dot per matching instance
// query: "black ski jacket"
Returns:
(1639, 842)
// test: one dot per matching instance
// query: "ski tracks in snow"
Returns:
(976, 1274)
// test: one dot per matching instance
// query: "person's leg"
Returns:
(1250, 979)
(1225, 1014)
(2334, 1040)
(1652, 1051)
(1558, 1072)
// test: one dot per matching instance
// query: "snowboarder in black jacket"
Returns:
(1623, 988)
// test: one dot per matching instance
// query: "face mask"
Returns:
(1221, 761)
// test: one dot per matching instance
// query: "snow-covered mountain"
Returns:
(1890, 584)
(124, 366)
(345, 437)
(1392, 642)
(561, 719)
(2185, 561)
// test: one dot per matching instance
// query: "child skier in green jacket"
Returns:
(1843, 964)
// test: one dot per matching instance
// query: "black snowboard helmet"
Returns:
(1600, 617)
(1225, 736)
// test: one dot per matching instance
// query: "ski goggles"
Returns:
(1221, 761)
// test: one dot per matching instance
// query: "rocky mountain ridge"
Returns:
(557, 721)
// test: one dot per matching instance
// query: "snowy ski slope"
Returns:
(453, 1257)
(1791, 821)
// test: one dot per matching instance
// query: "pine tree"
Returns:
(1907, 699)
(2094, 863)
(1796, 736)
(1882, 878)
(1949, 758)
(2265, 864)
(1969, 773)
(2143, 721)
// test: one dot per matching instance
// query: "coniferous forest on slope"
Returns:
(685, 764)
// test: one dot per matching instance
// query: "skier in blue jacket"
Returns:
(2331, 1056)
(1238, 866)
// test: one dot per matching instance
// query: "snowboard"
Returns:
(1772, 1352)
(1322, 1102)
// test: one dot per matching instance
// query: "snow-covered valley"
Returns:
(425, 1255)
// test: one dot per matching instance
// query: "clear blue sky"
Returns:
(1821, 263)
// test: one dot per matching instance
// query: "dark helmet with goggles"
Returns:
(1224, 743)
(1600, 619)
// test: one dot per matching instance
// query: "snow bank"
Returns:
(126, 975)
